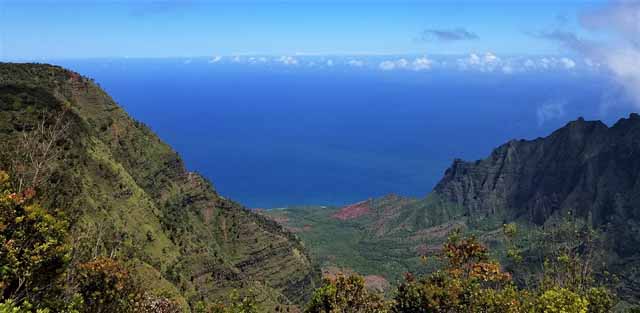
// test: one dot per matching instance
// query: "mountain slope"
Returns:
(584, 166)
(130, 196)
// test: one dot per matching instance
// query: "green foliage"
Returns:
(11, 307)
(345, 294)
(600, 299)
(234, 304)
(469, 282)
(633, 310)
(570, 249)
(33, 252)
(561, 300)
(128, 195)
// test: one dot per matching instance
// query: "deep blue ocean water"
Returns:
(274, 136)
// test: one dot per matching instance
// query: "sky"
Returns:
(602, 34)
(32, 29)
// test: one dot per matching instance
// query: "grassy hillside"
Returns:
(386, 239)
(129, 196)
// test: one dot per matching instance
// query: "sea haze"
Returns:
(289, 134)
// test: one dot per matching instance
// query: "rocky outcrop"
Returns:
(586, 167)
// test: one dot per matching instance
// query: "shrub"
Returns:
(33, 252)
(345, 294)
(600, 300)
(234, 304)
(469, 282)
(106, 286)
(561, 300)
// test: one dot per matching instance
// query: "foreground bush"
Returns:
(468, 282)
(106, 286)
(345, 294)
(33, 252)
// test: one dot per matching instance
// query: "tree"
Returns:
(569, 252)
(469, 282)
(345, 294)
(37, 149)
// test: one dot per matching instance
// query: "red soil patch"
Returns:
(353, 211)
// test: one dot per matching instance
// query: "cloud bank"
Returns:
(418, 64)
(550, 111)
(619, 52)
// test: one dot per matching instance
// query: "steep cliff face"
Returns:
(130, 196)
(585, 167)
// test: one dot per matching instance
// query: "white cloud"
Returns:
(420, 64)
(329, 62)
(288, 60)
(236, 59)
(356, 63)
(507, 69)
(215, 59)
(625, 64)
(619, 52)
(188, 61)
(255, 60)
(568, 63)
(387, 65)
(550, 110)
(529, 64)
(490, 58)
(590, 63)
(473, 59)
(545, 63)
(487, 63)
(391, 65)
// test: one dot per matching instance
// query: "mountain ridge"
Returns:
(130, 195)
(576, 167)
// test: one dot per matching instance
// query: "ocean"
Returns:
(274, 136)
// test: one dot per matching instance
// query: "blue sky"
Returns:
(33, 29)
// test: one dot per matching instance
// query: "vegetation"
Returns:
(125, 196)
(580, 253)
(98, 215)
(346, 294)
(468, 282)
(33, 254)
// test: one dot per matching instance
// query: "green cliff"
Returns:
(129, 196)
